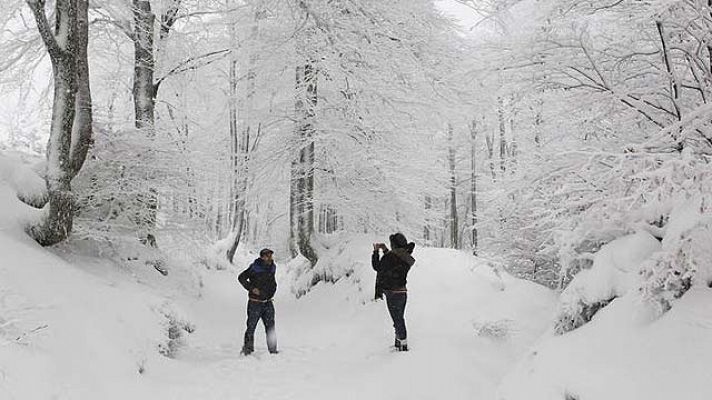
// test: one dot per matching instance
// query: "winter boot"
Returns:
(401, 344)
(246, 351)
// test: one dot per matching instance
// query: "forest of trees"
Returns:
(531, 138)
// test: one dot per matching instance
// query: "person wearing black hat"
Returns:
(392, 271)
(261, 286)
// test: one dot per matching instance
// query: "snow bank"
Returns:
(22, 173)
(622, 355)
(19, 184)
(648, 303)
(615, 272)
(73, 331)
(686, 257)
(345, 259)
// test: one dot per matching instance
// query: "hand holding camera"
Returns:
(381, 246)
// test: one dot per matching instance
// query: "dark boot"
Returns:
(401, 344)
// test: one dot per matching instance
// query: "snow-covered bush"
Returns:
(496, 329)
(23, 174)
(176, 327)
(686, 258)
(615, 272)
(341, 257)
(215, 256)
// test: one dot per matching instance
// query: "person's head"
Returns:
(266, 256)
(398, 241)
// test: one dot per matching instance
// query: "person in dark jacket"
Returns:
(391, 277)
(261, 286)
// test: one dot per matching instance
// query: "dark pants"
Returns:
(255, 312)
(396, 307)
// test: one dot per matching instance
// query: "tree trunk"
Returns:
(473, 183)
(538, 122)
(243, 143)
(62, 48)
(233, 131)
(83, 117)
(144, 64)
(144, 96)
(489, 139)
(293, 208)
(502, 137)
(454, 229)
(305, 105)
(59, 175)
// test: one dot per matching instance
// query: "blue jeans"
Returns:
(255, 312)
(396, 307)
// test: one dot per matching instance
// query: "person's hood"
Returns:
(404, 255)
(398, 240)
(259, 266)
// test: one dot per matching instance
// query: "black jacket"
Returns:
(259, 276)
(392, 269)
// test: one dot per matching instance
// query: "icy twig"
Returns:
(28, 333)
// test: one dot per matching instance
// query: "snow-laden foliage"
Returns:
(614, 273)
(686, 259)
(344, 258)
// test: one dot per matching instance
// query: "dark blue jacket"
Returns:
(259, 276)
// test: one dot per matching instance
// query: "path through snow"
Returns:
(333, 347)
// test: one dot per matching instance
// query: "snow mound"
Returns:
(621, 355)
(636, 325)
(20, 173)
(19, 184)
(342, 259)
(615, 272)
(73, 331)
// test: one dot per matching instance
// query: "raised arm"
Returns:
(375, 260)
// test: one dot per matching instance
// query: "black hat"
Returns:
(265, 252)
(398, 240)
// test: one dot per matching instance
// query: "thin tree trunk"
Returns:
(293, 207)
(674, 86)
(502, 137)
(489, 139)
(144, 96)
(83, 117)
(538, 122)
(305, 105)
(426, 228)
(243, 143)
(145, 91)
(454, 229)
(473, 183)
(233, 132)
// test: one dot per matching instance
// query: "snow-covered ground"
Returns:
(95, 330)
(78, 325)
(79, 322)
(629, 349)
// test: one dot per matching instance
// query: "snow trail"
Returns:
(333, 346)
